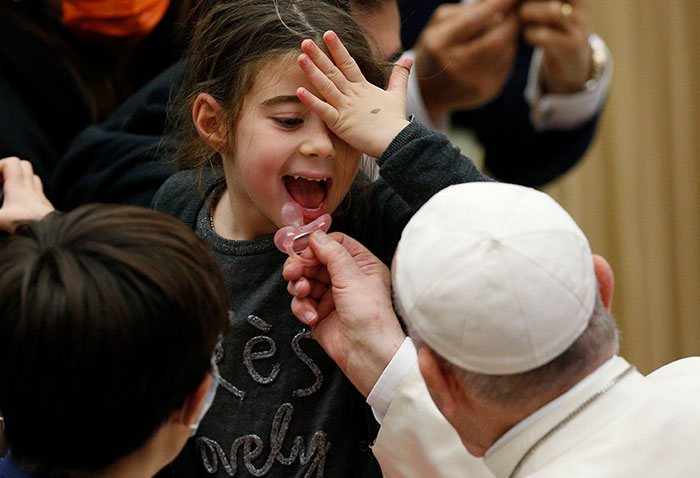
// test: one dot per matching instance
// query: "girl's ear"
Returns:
(209, 119)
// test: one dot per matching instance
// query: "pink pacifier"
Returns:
(294, 238)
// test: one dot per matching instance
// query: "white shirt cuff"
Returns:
(415, 104)
(385, 389)
(565, 112)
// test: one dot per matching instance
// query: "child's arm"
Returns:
(23, 194)
(361, 114)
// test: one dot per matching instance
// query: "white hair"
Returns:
(598, 340)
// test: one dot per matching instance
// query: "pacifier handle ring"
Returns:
(297, 257)
(286, 237)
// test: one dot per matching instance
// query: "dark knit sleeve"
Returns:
(421, 161)
(417, 164)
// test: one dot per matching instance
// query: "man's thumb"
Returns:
(333, 255)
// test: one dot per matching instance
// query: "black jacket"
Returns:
(43, 100)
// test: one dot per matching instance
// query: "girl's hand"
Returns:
(361, 114)
(24, 198)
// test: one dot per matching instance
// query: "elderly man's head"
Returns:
(498, 287)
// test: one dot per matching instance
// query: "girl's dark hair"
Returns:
(109, 318)
(231, 42)
(347, 5)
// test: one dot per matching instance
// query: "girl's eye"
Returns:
(289, 122)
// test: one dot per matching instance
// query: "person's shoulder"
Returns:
(681, 378)
(184, 192)
(149, 101)
(178, 180)
(686, 367)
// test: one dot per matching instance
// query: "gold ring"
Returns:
(566, 12)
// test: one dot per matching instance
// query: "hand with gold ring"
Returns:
(566, 11)
(465, 54)
(562, 29)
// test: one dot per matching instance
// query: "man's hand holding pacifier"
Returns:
(294, 237)
(366, 117)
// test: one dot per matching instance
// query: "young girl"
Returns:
(262, 125)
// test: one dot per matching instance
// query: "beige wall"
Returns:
(637, 192)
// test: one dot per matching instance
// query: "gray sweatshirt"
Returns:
(284, 409)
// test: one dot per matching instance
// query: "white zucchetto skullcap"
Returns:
(496, 278)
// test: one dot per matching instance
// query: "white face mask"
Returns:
(208, 399)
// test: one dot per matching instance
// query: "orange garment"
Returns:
(118, 19)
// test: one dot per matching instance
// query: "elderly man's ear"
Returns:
(444, 389)
(606, 279)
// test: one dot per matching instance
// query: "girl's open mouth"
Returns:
(309, 193)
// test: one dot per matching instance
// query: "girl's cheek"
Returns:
(347, 176)
(350, 157)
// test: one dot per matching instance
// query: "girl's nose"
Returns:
(318, 142)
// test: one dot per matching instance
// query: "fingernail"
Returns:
(310, 317)
(303, 59)
(297, 287)
(320, 237)
(408, 62)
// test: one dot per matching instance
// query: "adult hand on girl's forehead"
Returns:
(361, 114)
